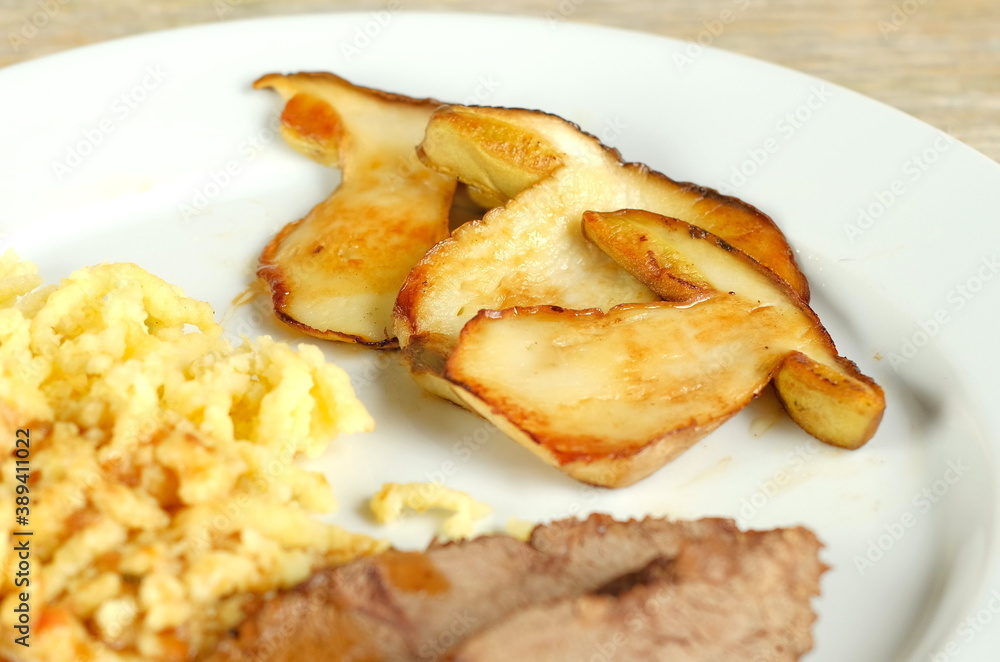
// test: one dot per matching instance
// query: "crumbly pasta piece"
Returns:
(390, 501)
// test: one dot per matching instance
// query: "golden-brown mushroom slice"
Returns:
(822, 391)
(831, 401)
(545, 172)
(611, 397)
(335, 273)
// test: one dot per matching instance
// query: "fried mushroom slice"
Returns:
(335, 274)
(609, 398)
(545, 172)
(822, 391)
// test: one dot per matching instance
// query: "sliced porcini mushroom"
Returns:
(610, 397)
(336, 272)
(822, 391)
(544, 172)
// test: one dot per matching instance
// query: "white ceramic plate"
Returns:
(896, 225)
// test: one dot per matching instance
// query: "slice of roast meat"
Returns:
(422, 606)
(746, 598)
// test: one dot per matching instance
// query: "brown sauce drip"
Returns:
(412, 572)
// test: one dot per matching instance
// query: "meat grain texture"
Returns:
(635, 590)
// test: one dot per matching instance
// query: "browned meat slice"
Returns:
(746, 598)
(418, 606)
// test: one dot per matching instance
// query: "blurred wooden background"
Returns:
(938, 60)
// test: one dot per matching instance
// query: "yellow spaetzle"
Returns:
(163, 487)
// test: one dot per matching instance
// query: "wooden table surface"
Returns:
(938, 60)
